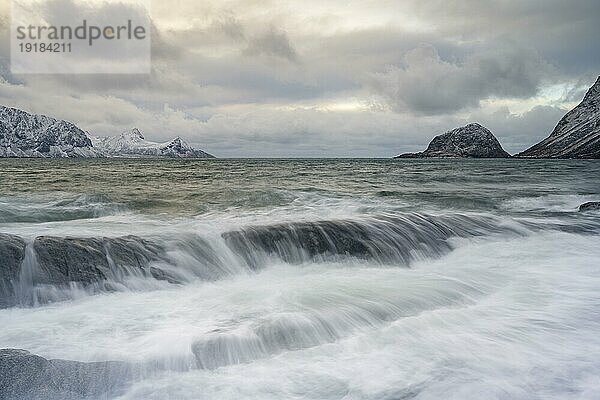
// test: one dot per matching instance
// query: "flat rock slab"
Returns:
(27, 376)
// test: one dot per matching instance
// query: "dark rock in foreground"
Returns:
(591, 205)
(12, 253)
(396, 240)
(29, 273)
(470, 141)
(577, 134)
(27, 376)
(87, 260)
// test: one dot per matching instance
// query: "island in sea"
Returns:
(469, 141)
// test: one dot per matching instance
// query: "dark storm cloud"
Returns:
(425, 83)
(562, 32)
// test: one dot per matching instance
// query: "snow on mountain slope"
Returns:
(133, 143)
(577, 134)
(29, 135)
(23, 134)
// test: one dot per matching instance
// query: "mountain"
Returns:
(577, 134)
(23, 134)
(29, 135)
(133, 144)
(469, 141)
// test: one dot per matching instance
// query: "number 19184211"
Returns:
(45, 47)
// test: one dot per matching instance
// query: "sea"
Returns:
(373, 279)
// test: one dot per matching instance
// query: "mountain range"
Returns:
(133, 143)
(23, 134)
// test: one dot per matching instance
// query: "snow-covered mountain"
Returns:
(23, 134)
(132, 143)
(29, 135)
(577, 134)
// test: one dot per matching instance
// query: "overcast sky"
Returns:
(247, 78)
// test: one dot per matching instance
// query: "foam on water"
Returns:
(347, 279)
(59, 268)
(474, 321)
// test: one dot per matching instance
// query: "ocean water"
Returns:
(320, 279)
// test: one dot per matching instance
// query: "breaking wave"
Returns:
(47, 269)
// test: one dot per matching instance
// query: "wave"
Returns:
(487, 297)
(338, 317)
(383, 240)
(38, 209)
(48, 269)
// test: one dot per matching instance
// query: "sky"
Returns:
(250, 78)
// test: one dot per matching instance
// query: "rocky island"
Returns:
(577, 134)
(469, 141)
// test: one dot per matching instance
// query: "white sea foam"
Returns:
(287, 281)
(503, 318)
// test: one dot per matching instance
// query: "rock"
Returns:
(88, 260)
(397, 240)
(29, 135)
(95, 264)
(64, 260)
(12, 252)
(577, 134)
(591, 205)
(27, 376)
(469, 141)
(133, 144)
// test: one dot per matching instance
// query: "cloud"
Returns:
(272, 43)
(426, 84)
(517, 132)
(336, 78)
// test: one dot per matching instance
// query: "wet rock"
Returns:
(36, 275)
(63, 260)
(88, 260)
(385, 240)
(133, 251)
(12, 252)
(27, 376)
(591, 205)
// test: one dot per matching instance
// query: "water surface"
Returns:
(323, 279)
